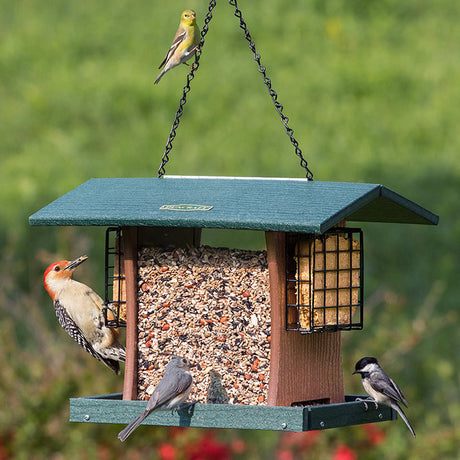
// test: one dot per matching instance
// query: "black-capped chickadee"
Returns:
(381, 388)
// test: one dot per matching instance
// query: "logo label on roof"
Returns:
(185, 207)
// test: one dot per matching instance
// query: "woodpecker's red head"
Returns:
(59, 272)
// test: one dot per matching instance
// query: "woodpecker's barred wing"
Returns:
(383, 383)
(69, 325)
(174, 383)
(180, 35)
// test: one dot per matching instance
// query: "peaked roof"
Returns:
(293, 205)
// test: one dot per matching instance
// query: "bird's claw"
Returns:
(365, 403)
(107, 308)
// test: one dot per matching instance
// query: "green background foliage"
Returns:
(372, 92)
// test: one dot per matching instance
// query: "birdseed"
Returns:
(212, 306)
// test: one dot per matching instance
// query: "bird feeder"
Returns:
(268, 321)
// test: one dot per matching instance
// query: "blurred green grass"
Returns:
(371, 90)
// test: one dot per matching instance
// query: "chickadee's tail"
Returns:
(123, 434)
(403, 416)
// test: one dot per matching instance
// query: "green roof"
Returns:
(293, 205)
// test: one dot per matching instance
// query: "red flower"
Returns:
(299, 440)
(238, 446)
(375, 435)
(207, 449)
(284, 455)
(167, 452)
(343, 452)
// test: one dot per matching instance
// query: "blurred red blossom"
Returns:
(343, 452)
(207, 448)
(167, 452)
(375, 435)
(284, 455)
(299, 440)
(238, 446)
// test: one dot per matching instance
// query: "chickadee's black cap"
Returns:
(363, 362)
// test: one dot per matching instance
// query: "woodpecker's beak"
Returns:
(75, 263)
(356, 372)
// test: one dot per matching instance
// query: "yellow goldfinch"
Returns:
(184, 45)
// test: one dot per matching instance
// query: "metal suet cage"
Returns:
(115, 283)
(324, 281)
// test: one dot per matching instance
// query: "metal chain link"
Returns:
(183, 100)
(273, 95)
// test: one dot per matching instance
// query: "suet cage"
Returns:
(324, 281)
(115, 286)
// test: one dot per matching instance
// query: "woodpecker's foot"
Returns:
(106, 307)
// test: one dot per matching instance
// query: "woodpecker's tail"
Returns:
(123, 434)
(111, 356)
(111, 364)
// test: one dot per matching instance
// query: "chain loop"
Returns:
(183, 100)
(273, 95)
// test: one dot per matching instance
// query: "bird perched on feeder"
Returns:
(381, 387)
(184, 45)
(172, 390)
(80, 312)
(217, 394)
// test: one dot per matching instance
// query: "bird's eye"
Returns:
(57, 268)
(184, 360)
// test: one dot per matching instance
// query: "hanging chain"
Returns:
(262, 70)
(274, 96)
(183, 100)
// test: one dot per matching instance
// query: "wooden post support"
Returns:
(305, 369)
(130, 265)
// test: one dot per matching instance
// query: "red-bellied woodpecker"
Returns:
(80, 312)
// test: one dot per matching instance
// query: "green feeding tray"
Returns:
(111, 409)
